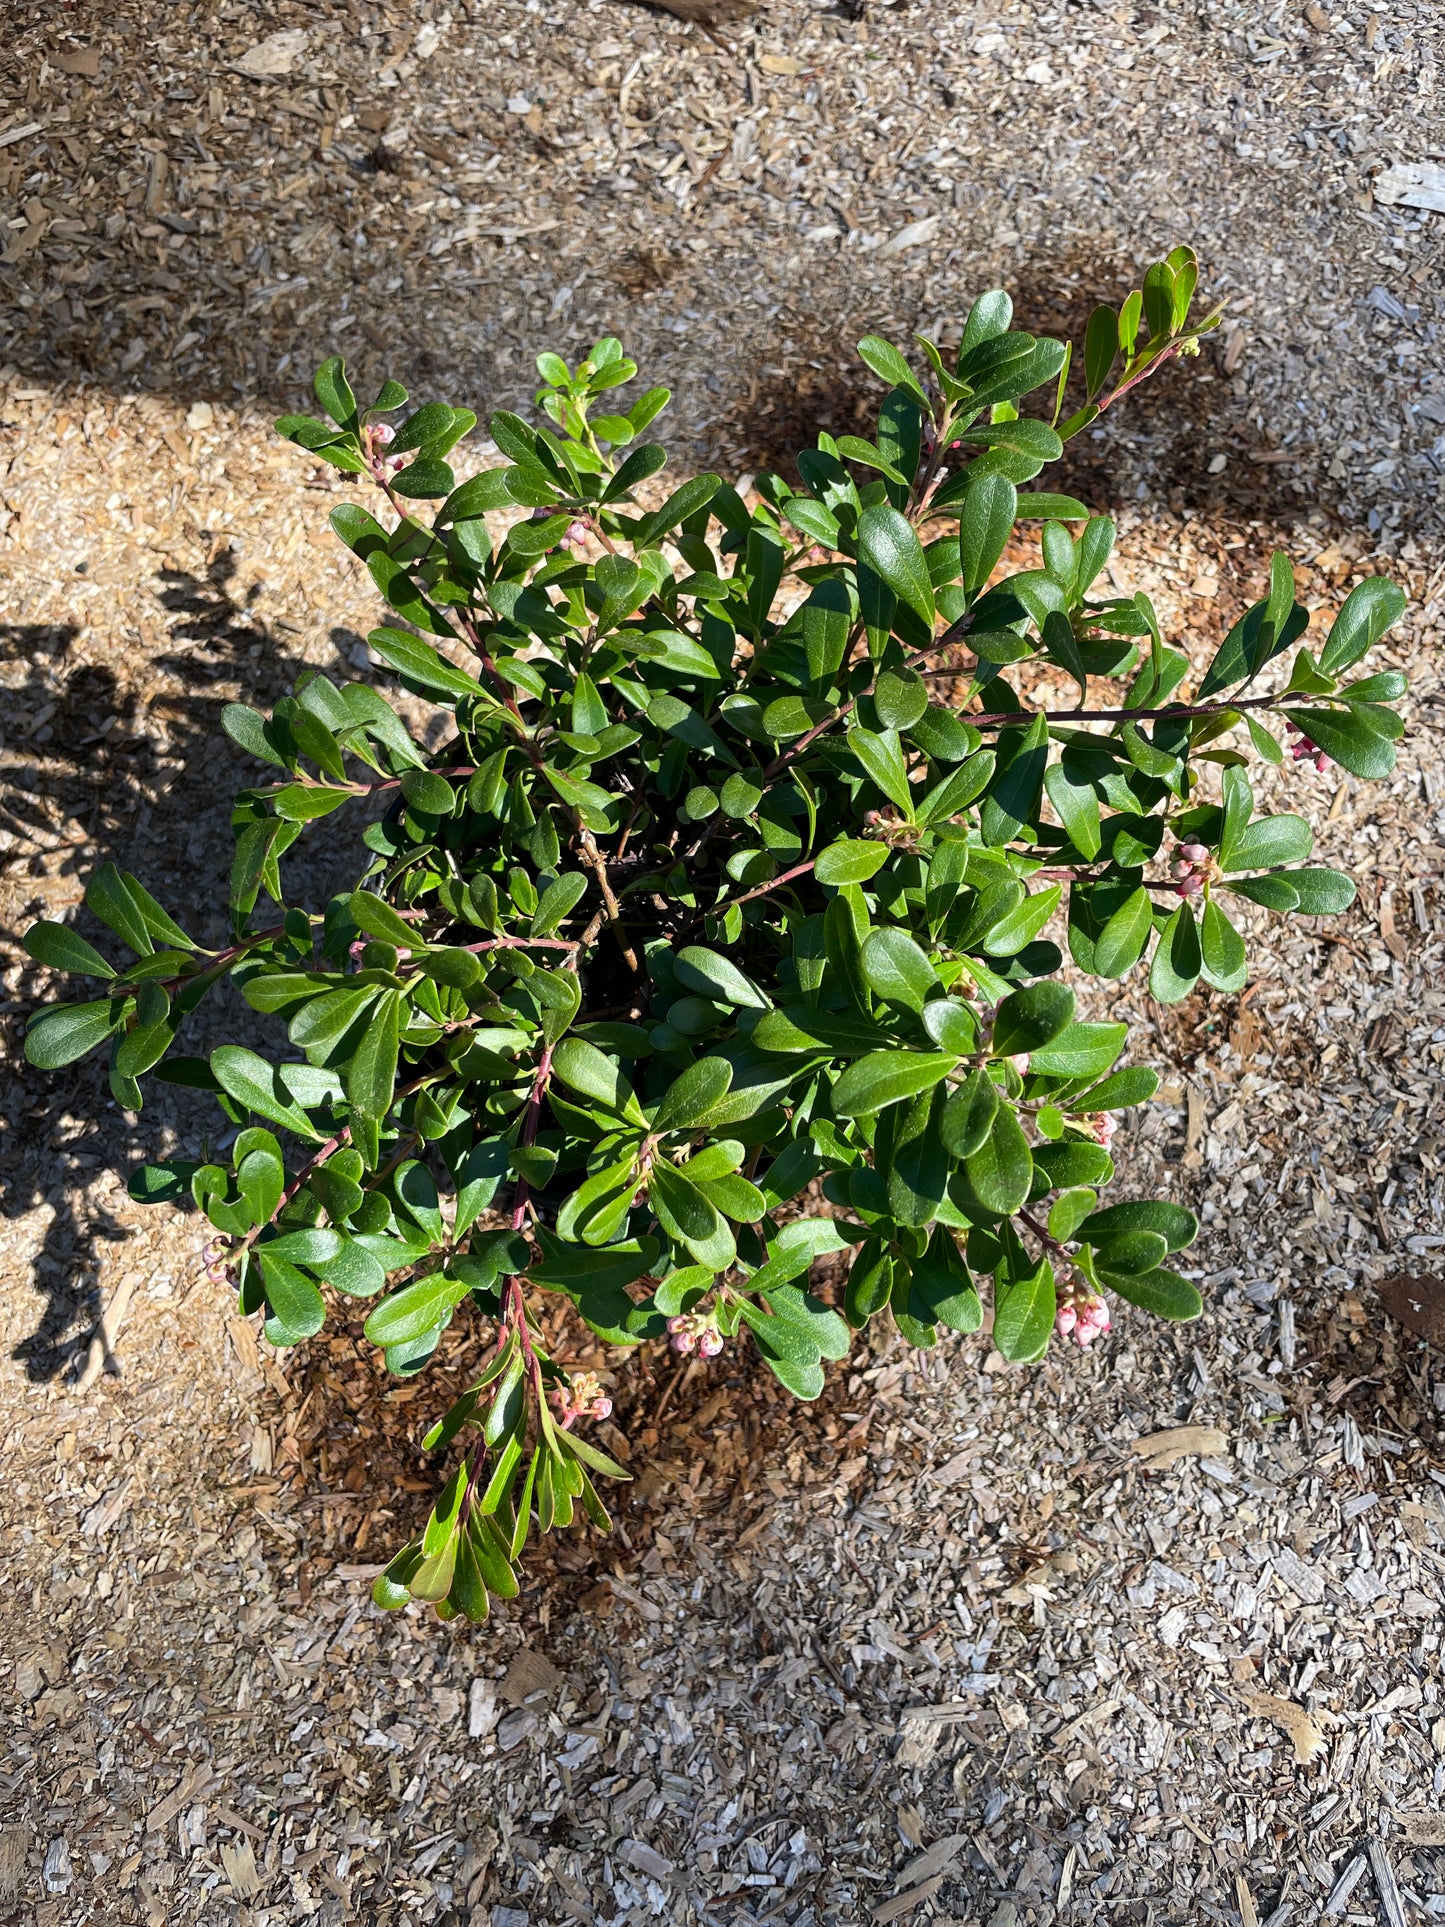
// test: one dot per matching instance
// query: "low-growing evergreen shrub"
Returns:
(712, 942)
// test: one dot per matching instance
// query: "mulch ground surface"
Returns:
(1148, 1634)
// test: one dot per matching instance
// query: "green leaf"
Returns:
(686, 1214)
(1275, 892)
(1069, 1211)
(1121, 942)
(882, 760)
(1117, 1093)
(1101, 346)
(1080, 1050)
(692, 1094)
(1370, 608)
(1177, 962)
(371, 1074)
(65, 1032)
(1222, 955)
(941, 1290)
(416, 1309)
(1023, 1314)
(967, 1117)
(1128, 1254)
(954, 792)
(59, 947)
(294, 1299)
(1249, 645)
(418, 662)
(1161, 1291)
(107, 897)
(1001, 1170)
(900, 697)
(887, 363)
(1177, 1226)
(886, 1077)
(951, 1024)
(896, 969)
(1356, 736)
(1029, 1018)
(1320, 893)
(888, 546)
(711, 975)
(585, 1069)
(1075, 800)
(1018, 927)
(1265, 743)
(557, 902)
(850, 861)
(985, 525)
(644, 460)
(333, 391)
(257, 1086)
(1013, 796)
(1268, 841)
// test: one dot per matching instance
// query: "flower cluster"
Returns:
(1082, 1313)
(1304, 751)
(1102, 1125)
(695, 1331)
(581, 1397)
(1191, 868)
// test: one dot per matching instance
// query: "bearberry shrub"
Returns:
(713, 941)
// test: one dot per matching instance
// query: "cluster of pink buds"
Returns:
(1082, 1314)
(375, 437)
(1101, 1125)
(1304, 751)
(582, 1397)
(695, 1331)
(1191, 867)
(574, 540)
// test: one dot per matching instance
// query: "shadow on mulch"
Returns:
(356, 1431)
(1372, 1368)
(107, 771)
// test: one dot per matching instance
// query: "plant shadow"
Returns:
(130, 766)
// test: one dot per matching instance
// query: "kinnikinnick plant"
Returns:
(710, 944)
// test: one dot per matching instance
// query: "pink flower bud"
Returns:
(1065, 1319)
(710, 1343)
(382, 433)
(683, 1341)
(1322, 762)
(1191, 885)
(602, 1408)
(1193, 852)
(1181, 868)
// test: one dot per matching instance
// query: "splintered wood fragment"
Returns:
(901, 1904)
(102, 1344)
(1161, 1449)
(934, 1860)
(1247, 1915)
(239, 1864)
(1303, 1733)
(1385, 1886)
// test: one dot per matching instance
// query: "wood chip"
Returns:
(238, 1861)
(529, 1673)
(1303, 1732)
(902, 1904)
(1162, 1449)
(1301, 1579)
(1412, 184)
